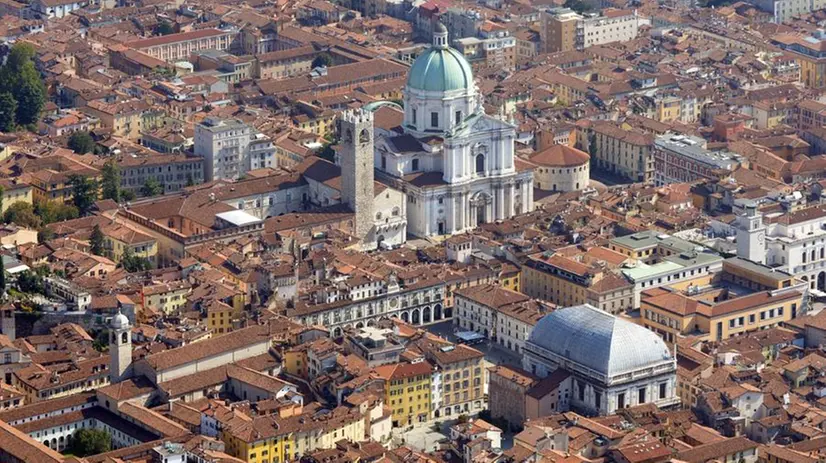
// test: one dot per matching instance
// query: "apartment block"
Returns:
(231, 148)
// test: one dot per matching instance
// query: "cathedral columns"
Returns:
(459, 203)
(509, 200)
(529, 197)
(500, 202)
(450, 206)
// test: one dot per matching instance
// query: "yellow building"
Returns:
(314, 119)
(15, 192)
(463, 376)
(260, 440)
(510, 276)
(625, 152)
(672, 314)
(125, 119)
(668, 109)
(291, 432)
(755, 276)
(295, 361)
(407, 391)
(166, 298)
(119, 238)
(566, 282)
(806, 51)
(220, 317)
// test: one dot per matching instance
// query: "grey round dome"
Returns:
(599, 341)
(440, 28)
(119, 322)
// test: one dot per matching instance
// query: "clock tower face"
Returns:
(761, 237)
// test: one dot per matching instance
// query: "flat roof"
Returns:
(764, 271)
(691, 147)
(238, 218)
(469, 335)
(643, 271)
(650, 238)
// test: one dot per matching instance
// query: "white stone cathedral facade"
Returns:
(455, 163)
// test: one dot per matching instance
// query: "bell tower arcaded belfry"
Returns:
(356, 160)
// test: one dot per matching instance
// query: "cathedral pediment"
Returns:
(481, 123)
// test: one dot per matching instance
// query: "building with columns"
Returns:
(614, 363)
(455, 163)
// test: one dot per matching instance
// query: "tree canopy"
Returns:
(111, 181)
(132, 263)
(96, 241)
(20, 80)
(90, 441)
(84, 193)
(81, 143)
(152, 187)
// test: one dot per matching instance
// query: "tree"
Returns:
(164, 28)
(30, 282)
(189, 180)
(152, 187)
(20, 78)
(81, 143)
(46, 234)
(53, 211)
(96, 241)
(101, 342)
(22, 214)
(577, 5)
(30, 96)
(90, 441)
(323, 59)
(8, 112)
(2, 276)
(111, 181)
(132, 263)
(84, 193)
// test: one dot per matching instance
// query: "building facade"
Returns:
(455, 163)
(614, 363)
(230, 149)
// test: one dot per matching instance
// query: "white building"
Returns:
(785, 10)
(611, 26)
(56, 8)
(793, 242)
(231, 148)
(455, 163)
(561, 168)
(614, 363)
(681, 159)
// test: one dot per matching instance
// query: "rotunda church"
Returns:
(455, 163)
(614, 363)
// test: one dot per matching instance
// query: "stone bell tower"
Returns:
(120, 348)
(356, 160)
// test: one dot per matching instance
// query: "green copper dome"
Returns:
(440, 69)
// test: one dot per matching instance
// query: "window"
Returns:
(480, 164)
(641, 395)
(662, 390)
(458, 117)
(415, 166)
(414, 116)
(621, 400)
(434, 119)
